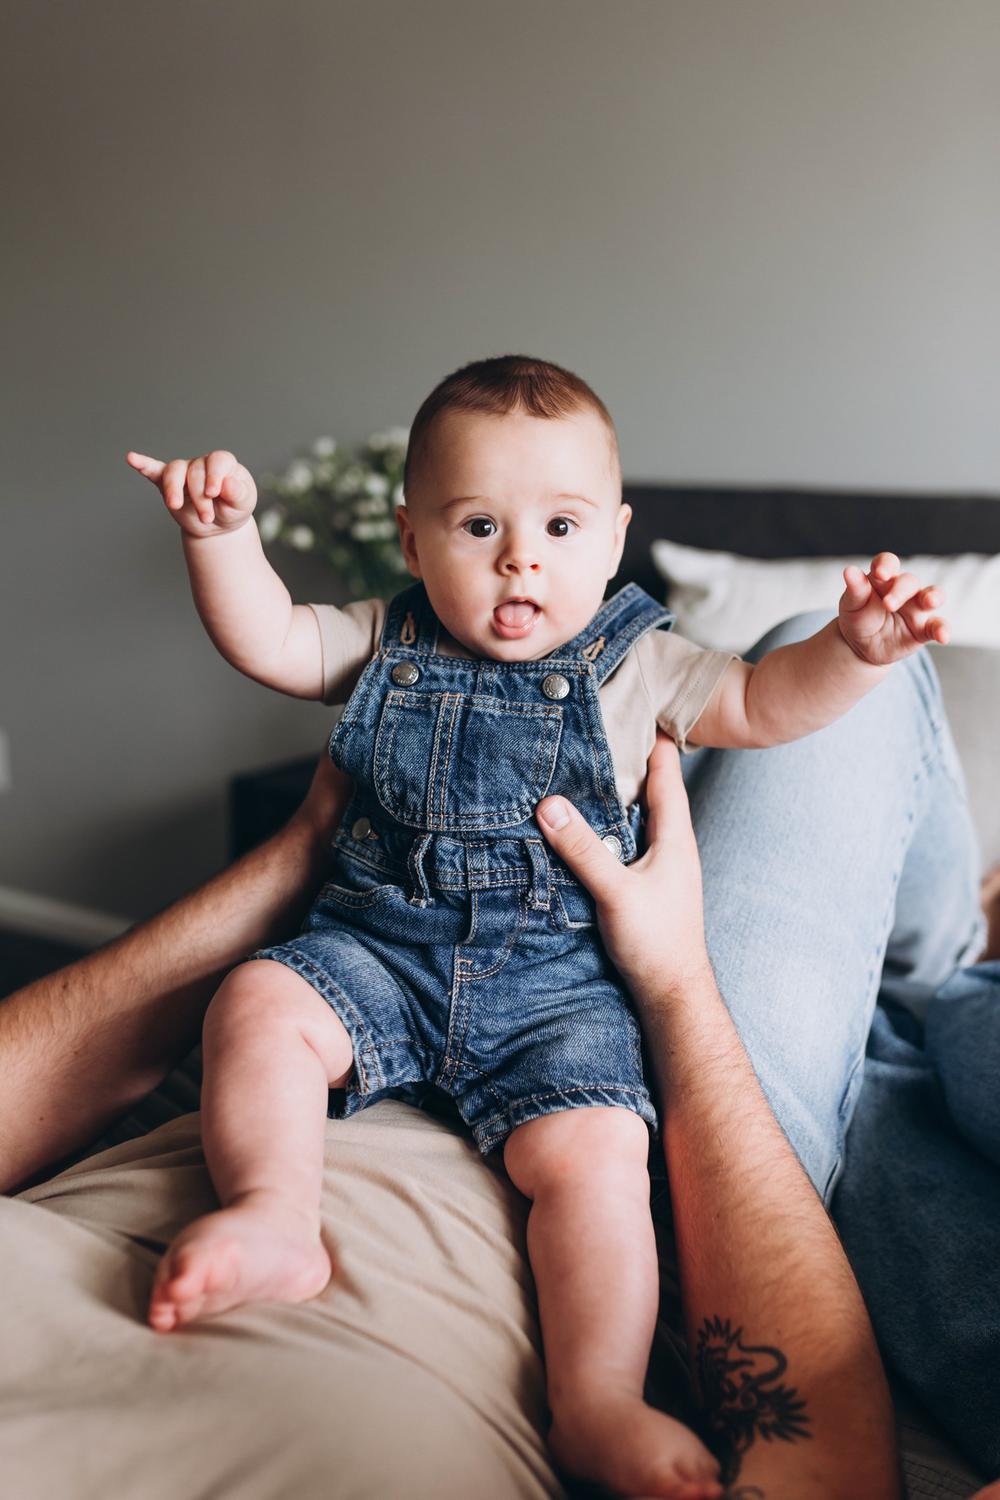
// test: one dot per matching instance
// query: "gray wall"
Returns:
(765, 230)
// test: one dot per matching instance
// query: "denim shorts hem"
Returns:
(369, 1077)
(493, 1131)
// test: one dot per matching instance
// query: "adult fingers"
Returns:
(573, 839)
(668, 813)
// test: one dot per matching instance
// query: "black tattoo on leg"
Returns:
(744, 1398)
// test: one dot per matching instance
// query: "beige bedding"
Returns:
(415, 1373)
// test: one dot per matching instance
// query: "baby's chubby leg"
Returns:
(272, 1048)
(592, 1251)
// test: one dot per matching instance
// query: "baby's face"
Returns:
(515, 527)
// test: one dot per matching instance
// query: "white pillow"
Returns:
(728, 602)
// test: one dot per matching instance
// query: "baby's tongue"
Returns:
(514, 613)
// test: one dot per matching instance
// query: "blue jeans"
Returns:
(841, 871)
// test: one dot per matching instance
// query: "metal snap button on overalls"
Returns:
(405, 673)
(555, 685)
(361, 829)
(613, 842)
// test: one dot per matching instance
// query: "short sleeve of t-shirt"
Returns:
(349, 638)
(679, 677)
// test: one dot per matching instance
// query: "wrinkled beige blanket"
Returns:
(416, 1373)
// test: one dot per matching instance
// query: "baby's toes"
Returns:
(698, 1489)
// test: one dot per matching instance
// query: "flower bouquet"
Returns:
(341, 505)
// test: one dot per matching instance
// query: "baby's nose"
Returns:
(519, 556)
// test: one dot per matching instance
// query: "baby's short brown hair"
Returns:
(497, 386)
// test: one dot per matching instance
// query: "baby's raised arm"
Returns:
(244, 605)
(884, 615)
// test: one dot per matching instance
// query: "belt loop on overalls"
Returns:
(415, 864)
(540, 895)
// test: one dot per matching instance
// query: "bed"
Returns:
(426, 1340)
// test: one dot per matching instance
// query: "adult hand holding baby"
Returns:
(886, 615)
(206, 496)
(650, 913)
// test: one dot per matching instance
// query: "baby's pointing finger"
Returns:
(152, 468)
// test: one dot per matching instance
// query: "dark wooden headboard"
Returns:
(802, 523)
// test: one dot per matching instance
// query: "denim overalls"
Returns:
(457, 950)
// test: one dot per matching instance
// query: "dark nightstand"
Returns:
(261, 802)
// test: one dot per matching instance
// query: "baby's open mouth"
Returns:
(515, 617)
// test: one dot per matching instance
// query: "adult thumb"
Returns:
(573, 839)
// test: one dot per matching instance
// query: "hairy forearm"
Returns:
(243, 604)
(771, 1305)
(797, 689)
(82, 1045)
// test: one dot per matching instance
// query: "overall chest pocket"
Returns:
(451, 761)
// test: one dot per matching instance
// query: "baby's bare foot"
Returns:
(632, 1449)
(989, 900)
(253, 1251)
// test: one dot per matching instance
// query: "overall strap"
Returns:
(410, 623)
(614, 630)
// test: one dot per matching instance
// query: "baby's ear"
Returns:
(408, 541)
(621, 526)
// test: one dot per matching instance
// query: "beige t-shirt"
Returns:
(663, 680)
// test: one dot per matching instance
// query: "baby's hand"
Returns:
(886, 615)
(206, 496)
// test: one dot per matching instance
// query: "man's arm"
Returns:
(795, 1398)
(83, 1045)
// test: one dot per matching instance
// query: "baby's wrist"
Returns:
(195, 539)
(841, 642)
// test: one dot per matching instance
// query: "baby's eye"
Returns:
(480, 526)
(561, 526)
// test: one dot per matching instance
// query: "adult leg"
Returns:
(918, 1205)
(804, 847)
(272, 1050)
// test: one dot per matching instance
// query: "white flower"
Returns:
(269, 524)
(298, 477)
(372, 531)
(301, 537)
(376, 484)
(391, 437)
(376, 506)
(325, 447)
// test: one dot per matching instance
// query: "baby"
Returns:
(450, 947)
